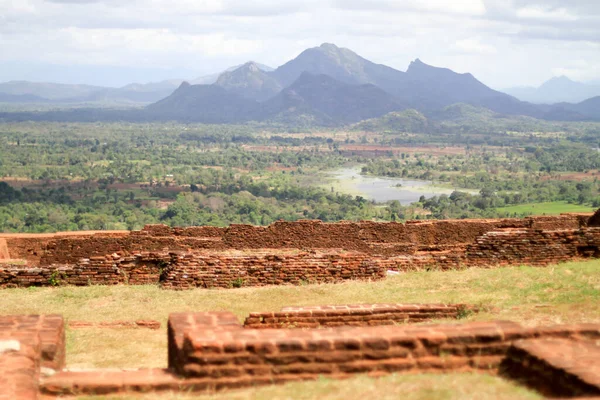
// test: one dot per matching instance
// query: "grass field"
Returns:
(566, 293)
(552, 208)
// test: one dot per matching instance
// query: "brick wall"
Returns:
(353, 315)
(292, 252)
(236, 269)
(262, 356)
(373, 238)
(533, 247)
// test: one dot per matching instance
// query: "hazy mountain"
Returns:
(585, 110)
(330, 100)
(422, 87)
(66, 93)
(212, 78)
(431, 88)
(143, 93)
(250, 81)
(21, 98)
(48, 91)
(557, 90)
(341, 64)
(326, 85)
(203, 103)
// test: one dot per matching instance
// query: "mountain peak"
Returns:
(418, 65)
(252, 66)
(329, 46)
(562, 78)
(184, 85)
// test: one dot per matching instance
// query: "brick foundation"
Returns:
(354, 315)
(213, 351)
(271, 355)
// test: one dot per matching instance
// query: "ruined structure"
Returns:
(213, 351)
(290, 252)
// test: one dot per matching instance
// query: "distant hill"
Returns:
(398, 121)
(330, 100)
(457, 118)
(212, 78)
(431, 88)
(341, 64)
(324, 85)
(422, 87)
(585, 110)
(66, 93)
(250, 81)
(137, 93)
(202, 103)
(556, 90)
(48, 91)
(21, 98)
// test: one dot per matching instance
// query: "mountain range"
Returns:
(135, 93)
(325, 85)
(557, 90)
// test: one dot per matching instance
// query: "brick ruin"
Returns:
(290, 252)
(213, 351)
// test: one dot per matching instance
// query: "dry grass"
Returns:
(567, 293)
(406, 387)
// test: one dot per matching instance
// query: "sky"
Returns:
(504, 43)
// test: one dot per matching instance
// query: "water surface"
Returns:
(350, 181)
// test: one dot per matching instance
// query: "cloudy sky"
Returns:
(504, 43)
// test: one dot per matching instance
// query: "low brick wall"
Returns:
(278, 355)
(353, 315)
(555, 367)
(180, 270)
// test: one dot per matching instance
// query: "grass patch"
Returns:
(566, 293)
(550, 208)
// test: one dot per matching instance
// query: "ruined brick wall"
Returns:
(192, 270)
(264, 356)
(186, 270)
(291, 252)
(533, 247)
(353, 315)
(368, 237)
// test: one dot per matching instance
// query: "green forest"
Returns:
(107, 176)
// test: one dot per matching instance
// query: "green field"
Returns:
(552, 208)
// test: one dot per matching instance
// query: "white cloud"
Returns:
(557, 14)
(502, 42)
(473, 46)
